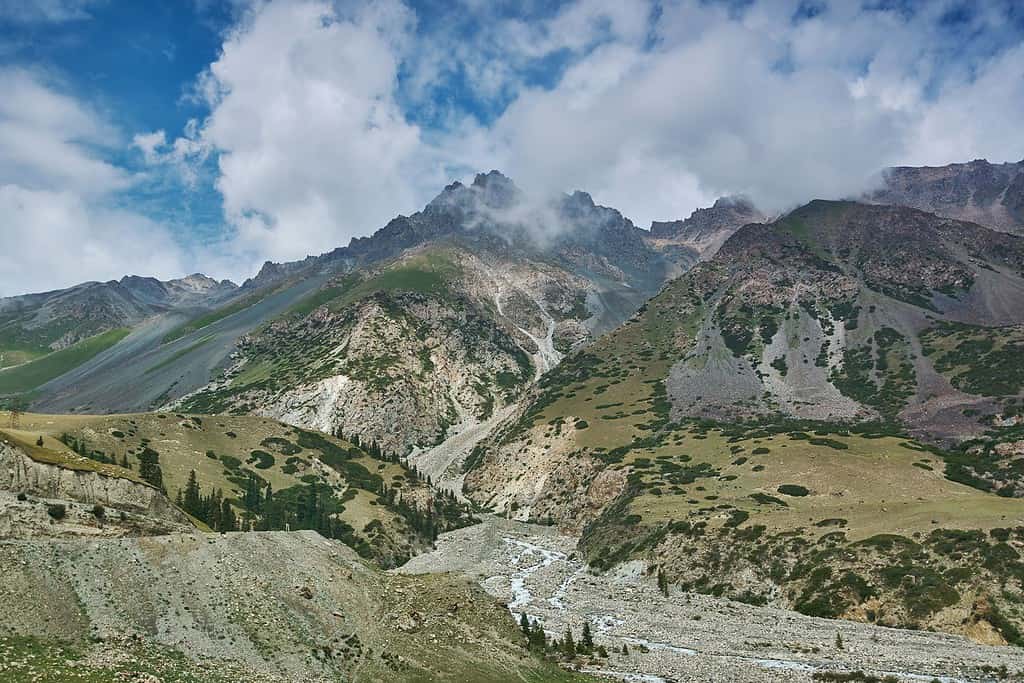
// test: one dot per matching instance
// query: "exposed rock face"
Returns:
(838, 312)
(429, 345)
(147, 510)
(550, 273)
(989, 194)
(796, 314)
(544, 477)
(403, 379)
(493, 212)
(706, 230)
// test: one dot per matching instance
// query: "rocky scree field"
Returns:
(259, 606)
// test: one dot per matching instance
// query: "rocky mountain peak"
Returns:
(702, 234)
(977, 191)
(495, 190)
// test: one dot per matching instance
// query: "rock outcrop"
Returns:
(90, 503)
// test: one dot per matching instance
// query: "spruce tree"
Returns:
(586, 640)
(538, 639)
(192, 498)
(227, 521)
(568, 645)
(524, 624)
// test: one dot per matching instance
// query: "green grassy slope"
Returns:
(23, 378)
(377, 506)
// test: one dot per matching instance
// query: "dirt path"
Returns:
(689, 637)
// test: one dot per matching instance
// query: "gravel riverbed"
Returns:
(686, 636)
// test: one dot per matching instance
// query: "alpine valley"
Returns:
(510, 438)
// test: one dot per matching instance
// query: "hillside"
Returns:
(266, 606)
(828, 334)
(980, 192)
(43, 336)
(270, 475)
(699, 237)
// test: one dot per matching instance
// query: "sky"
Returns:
(175, 136)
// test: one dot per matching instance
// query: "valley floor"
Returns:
(690, 637)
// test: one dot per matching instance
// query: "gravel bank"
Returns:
(690, 637)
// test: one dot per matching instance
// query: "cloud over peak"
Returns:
(319, 120)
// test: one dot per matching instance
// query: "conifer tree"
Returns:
(538, 639)
(568, 645)
(191, 497)
(586, 639)
(227, 517)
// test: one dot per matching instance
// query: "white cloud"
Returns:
(45, 137)
(660, 108)
(752, 102)
(57, 239)
(313, 148)
(57, 208)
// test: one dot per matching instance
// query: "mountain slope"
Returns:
(989, 194)
(700, 236)
(270, 475)
(567, 270)
(32, 325)
(44, 336)
(439, 340)
(744, 432)
(417, 352)
(267, 606)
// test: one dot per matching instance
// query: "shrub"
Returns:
(57, 511)
(793, 490)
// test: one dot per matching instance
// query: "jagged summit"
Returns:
(700, 236)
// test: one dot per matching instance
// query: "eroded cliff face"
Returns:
(542, 476)
(413, 354)
(92, 504)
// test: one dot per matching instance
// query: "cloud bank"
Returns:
(61, 223)
(325, 119)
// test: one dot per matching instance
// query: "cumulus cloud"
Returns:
(59, 239)
(328, 118)
(46, 137)
(655, 108)
(763, 103)
(312, 146)
(59, 217)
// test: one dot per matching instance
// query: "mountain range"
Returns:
(820, 410)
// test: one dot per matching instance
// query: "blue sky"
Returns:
(170, 136)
